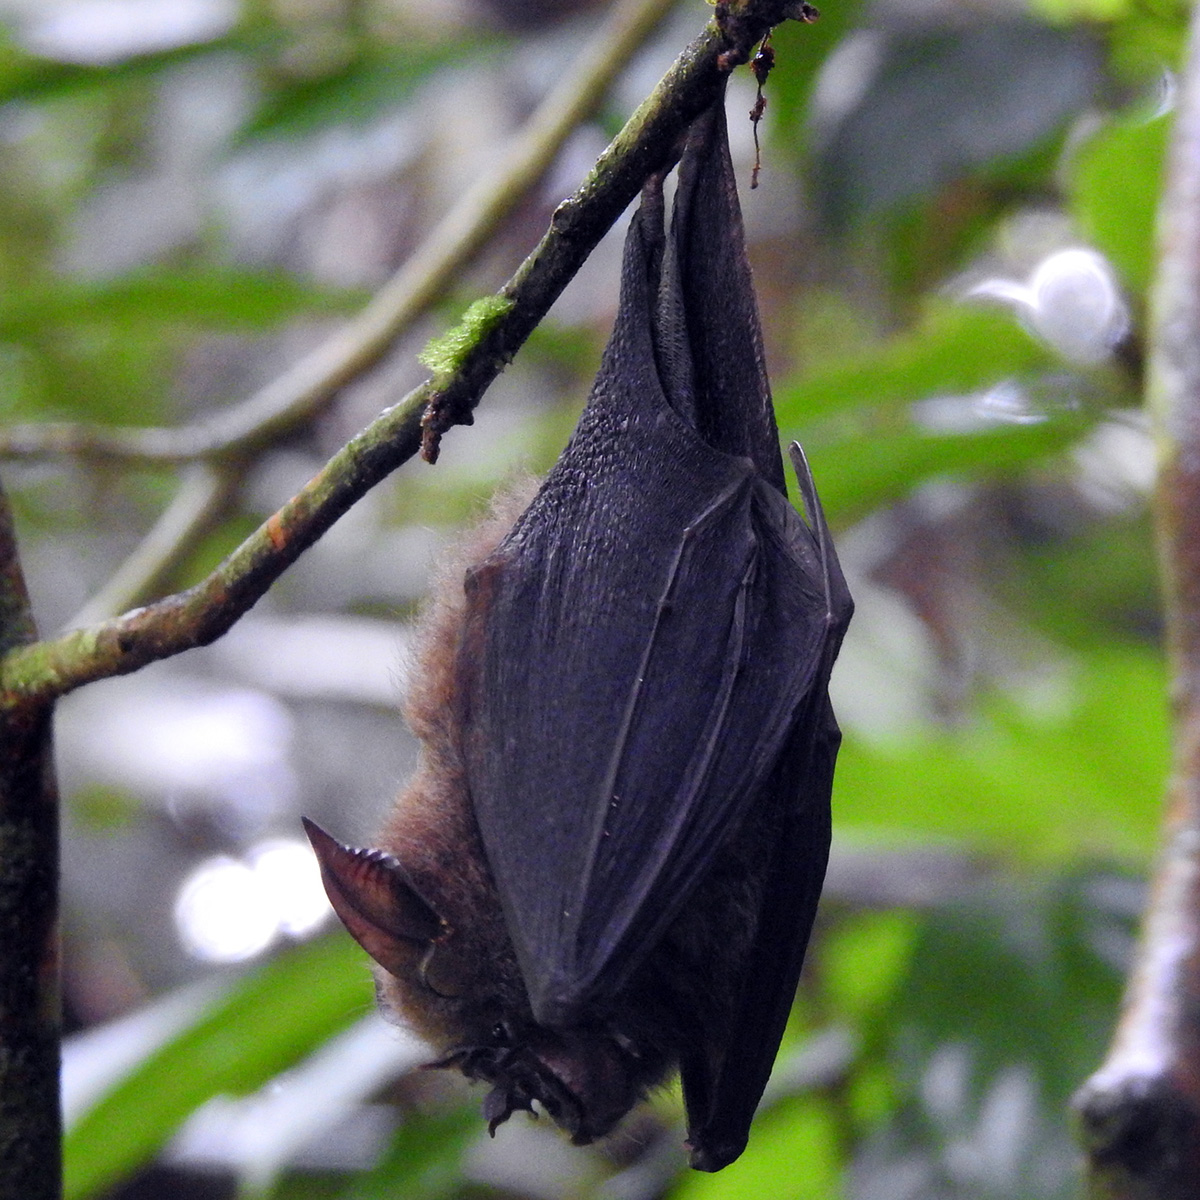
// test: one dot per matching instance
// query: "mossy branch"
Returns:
(221, 447)
(31, 675)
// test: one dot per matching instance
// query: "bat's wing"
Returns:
(724, 1077)
(641, 651)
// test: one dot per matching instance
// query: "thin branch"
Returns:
(1140, 1113)
(294, 397)
(201, 614)
(204, 496)
(103, 443)
(230, 441)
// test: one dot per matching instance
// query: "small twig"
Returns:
(642, 147)
(761, 65)
(1140, 1113)
(198, 616)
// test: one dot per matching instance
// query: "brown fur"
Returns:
(432, 830)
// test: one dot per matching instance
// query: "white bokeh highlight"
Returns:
(1071, 300)
(230, 910)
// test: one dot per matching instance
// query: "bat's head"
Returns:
(462, 991)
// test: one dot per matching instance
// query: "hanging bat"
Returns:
(608, 864)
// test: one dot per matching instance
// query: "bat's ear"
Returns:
(375, 900)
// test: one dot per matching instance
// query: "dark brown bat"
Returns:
(608, 864)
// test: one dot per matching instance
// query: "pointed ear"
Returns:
(373, 897)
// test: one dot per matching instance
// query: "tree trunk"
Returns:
(30, 1121)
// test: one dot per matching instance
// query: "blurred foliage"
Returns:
(265, 1023)
(1003, 690)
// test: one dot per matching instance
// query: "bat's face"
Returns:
(585, 1079)
(461, 991)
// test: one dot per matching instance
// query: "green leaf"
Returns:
(268, 1022)
(954, 349)
(378, 78)
(1084, 780)
(1116, 179)
(860, 472)
(216, 297)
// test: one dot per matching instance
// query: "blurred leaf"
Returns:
(379, 78)
(1006, 1007)
(1115, 181)
(216, 297)
(1148, 40)
(1064, 11)
(25, 76)
(1059, 587)
(863, 471)
(99, 370)
(855, 418)
(1011, 947)
(792, 1152)
(1084, 779)
(927, 241)
(104, 810)
(423, 1162)
(266, 1023)
(102, 350)
(954, 349)
(940, 103)
(864, 958)
(800, 50)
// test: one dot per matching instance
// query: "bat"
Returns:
(607, 865)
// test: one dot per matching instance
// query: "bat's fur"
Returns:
(431, 828)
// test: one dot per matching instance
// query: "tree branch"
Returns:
(1140, 1112)
(206, 493)
(33, 674)
(229, 442)
(297, 395)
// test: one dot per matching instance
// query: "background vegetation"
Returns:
(187, 210)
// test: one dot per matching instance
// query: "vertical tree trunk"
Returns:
(30, 1124)
(1140, 1112)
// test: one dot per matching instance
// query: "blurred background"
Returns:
(952, 242)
